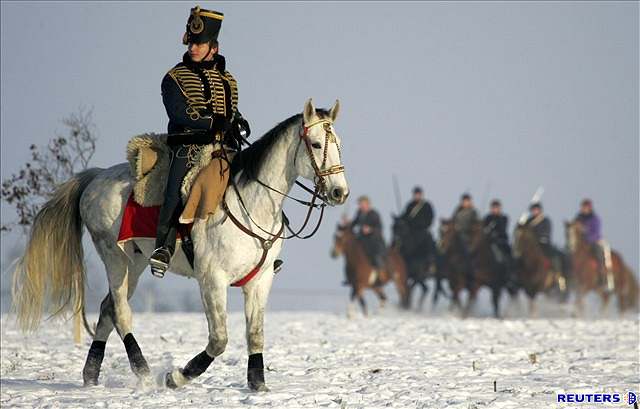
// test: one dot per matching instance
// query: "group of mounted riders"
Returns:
(472, 252)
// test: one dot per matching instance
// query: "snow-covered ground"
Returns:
(317, 359)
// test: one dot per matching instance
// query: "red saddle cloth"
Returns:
(140, 222)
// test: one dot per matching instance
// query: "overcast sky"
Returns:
(492, 98)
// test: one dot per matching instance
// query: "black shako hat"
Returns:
(203, 26)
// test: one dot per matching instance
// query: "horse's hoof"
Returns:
(169, 382)
(175, 379)
(90, 382)
(258, 387)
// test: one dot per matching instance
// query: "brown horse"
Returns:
(360, 272)
(534, 270)
(486, 270)
(589, 276)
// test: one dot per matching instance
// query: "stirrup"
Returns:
(159, 261)
(277, 266)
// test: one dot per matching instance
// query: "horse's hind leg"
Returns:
(119, 272)
(91, 370)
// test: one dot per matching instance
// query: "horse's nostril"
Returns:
(337, 193)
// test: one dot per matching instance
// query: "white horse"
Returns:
(51, 272)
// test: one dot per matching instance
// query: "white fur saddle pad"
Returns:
(149, 157)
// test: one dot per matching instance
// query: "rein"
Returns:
(319, 192)
(266, 244)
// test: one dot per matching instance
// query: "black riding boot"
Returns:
(166, 234)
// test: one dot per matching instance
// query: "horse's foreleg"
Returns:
(255, 301)
(455, 299)
(604, 297)
(533, 307)
(91, 370)
(471, 302)
(363, 304)
(579, 306)
(495, 299)
(214, 299)
(423, 296)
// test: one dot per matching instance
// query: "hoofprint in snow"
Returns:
(322, 359)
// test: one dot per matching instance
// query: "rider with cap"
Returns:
(464, 218)
(592, 231)
(541, 226)
(201, 98)
(368, 228)
(496, 224)
(419, 216)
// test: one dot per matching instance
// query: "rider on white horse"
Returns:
(201, 100)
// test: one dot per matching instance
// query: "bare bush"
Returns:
(49, 166)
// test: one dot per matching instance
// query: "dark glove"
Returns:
(242, 126)
(220, 124)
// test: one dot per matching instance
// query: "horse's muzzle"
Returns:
(338, 195)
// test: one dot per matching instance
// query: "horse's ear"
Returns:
(309, 111)
(334, 111)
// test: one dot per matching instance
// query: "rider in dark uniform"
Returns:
(496, 224)
(541, 226)
(201, 98)
(368, 227)
(419, 216)
(464, 218)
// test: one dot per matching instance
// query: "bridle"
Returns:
(319, 190)
(330, 137)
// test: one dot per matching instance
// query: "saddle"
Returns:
(149, 159)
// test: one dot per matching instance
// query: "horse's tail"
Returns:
(50, 275)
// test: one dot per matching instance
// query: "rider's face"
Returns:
(201, 52)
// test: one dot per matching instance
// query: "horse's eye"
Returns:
(316, 145)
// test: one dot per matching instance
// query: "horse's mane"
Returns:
(250, 160)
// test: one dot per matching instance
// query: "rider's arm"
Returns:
(176, 105)
(428, 215)
(545, 230)
(374, 221)
(357, 220)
